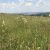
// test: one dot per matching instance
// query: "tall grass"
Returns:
(24, 32)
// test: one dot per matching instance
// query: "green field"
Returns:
(18, 32)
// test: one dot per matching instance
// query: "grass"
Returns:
(18, 32)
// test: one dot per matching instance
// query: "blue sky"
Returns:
(18, 6)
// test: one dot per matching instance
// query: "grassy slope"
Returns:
(24, 32)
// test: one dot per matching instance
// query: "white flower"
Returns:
(20, 46)
(38, 48)
(25, 20)
(3, 22)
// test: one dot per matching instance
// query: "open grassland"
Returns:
(18, 32)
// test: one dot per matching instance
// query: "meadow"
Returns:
(19, 32)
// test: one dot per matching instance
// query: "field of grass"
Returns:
(18, 32)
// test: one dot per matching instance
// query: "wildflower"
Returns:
(38, 48)
(20, 46)
(3, 22)
(25, 20)
(17, 18)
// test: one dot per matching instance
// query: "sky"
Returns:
(20, 6)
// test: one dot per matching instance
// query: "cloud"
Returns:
(8, 5)
(25, 5)
(28, 4)
(42, 3)
(42, 6)
(38, 3)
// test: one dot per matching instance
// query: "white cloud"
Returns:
(41, 3)
(21, 0)
(28, 4)
(38, 3)
(8, 5)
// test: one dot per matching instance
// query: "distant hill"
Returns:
(29, 13)
(37, 14)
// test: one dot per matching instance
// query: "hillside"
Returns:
(19, 32)
(36, 13)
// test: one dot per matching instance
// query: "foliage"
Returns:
(18, 32)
